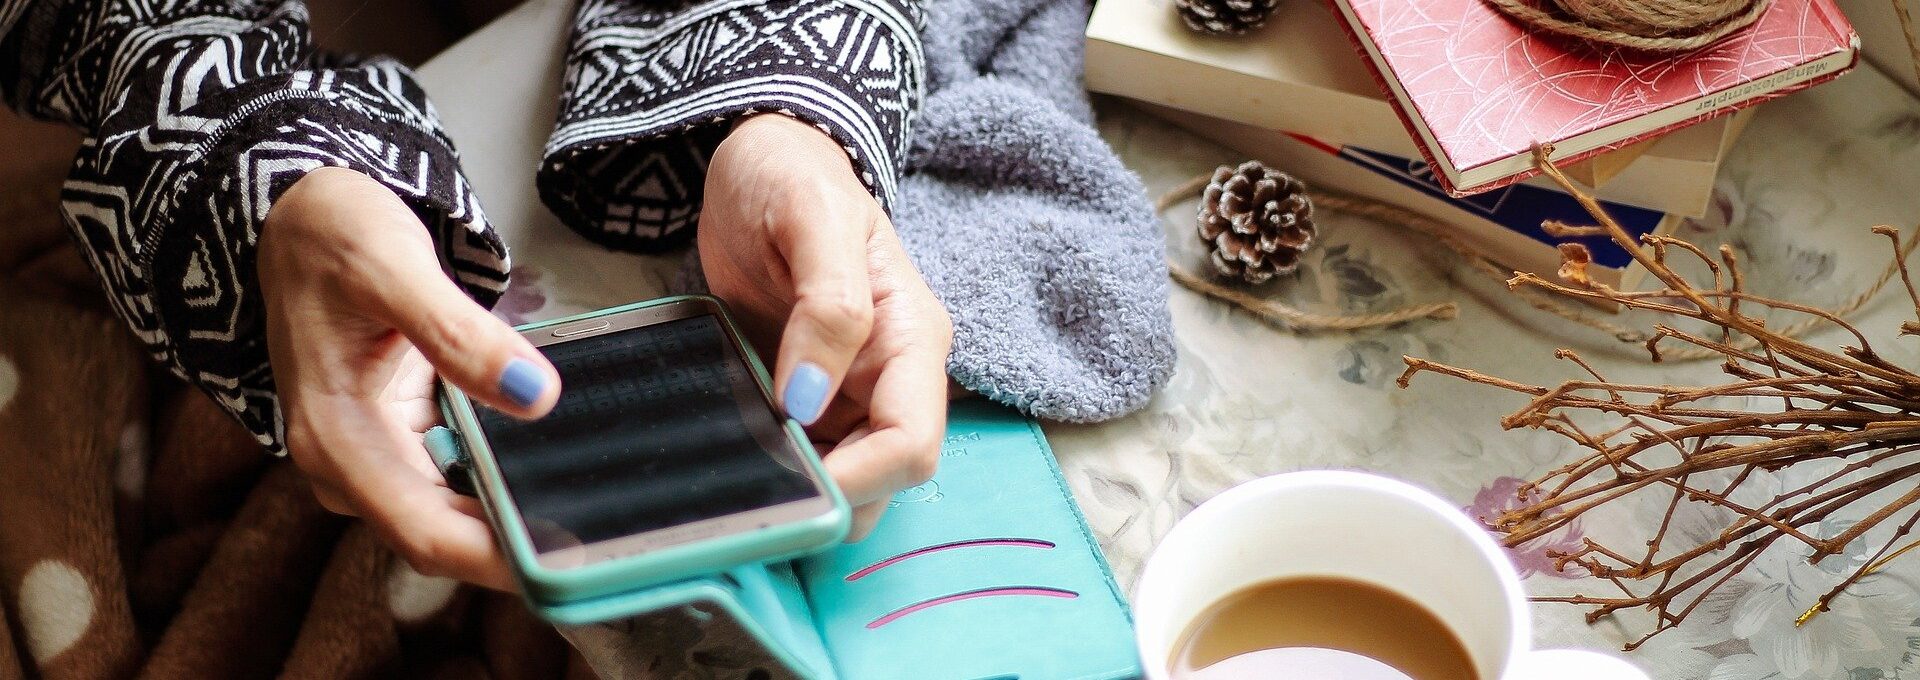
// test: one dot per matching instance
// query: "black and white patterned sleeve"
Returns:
(653, 85)
(197, 114)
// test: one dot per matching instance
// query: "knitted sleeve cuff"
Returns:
(190, 289)
(650, 91)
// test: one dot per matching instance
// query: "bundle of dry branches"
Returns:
(1788, 403)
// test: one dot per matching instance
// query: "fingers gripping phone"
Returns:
(665, 457)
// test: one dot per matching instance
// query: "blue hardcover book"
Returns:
(986, 572)
(1519, 207)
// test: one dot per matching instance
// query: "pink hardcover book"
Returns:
(1478, 90)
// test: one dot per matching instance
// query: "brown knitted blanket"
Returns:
(142, 533)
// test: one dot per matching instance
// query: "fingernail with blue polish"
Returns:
(522, 382)
(806, 394)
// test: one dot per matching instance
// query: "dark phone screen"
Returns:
(657, 426)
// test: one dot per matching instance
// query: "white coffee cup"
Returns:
(1357, 526)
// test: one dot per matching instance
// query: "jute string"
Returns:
(1275, 311)
(1650, 25)
(1387, 213)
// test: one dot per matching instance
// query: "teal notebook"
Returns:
(987, 572)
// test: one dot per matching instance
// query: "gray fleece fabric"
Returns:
(1042, 245)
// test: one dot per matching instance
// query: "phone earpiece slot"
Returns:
(581, 329)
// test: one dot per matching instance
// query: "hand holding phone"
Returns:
(810, 263)
(357, 335)
(665, 457)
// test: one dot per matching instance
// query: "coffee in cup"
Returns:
(1275, 629)
(1340, 575)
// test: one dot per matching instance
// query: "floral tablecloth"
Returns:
(1811, 174)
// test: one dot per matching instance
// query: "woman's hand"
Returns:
(807, 259)
(359, 319)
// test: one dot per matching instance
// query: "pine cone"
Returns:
(1225, 17)
(1258, 219)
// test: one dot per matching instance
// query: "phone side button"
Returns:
(588, 327)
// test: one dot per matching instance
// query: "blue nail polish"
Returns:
(522, 382)
(806, 394)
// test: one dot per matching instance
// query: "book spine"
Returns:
(1115, 66)
(1357, 39)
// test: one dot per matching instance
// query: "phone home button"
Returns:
(587, 327)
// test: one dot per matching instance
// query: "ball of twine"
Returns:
(1651, 25)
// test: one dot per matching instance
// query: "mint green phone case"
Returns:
(986, 571)
(584, 593)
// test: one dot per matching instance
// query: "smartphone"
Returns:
(665, 458)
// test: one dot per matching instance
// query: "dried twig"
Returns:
(1706, 444)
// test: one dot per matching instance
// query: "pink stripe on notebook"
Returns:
(978, 542)
(1039, 591)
